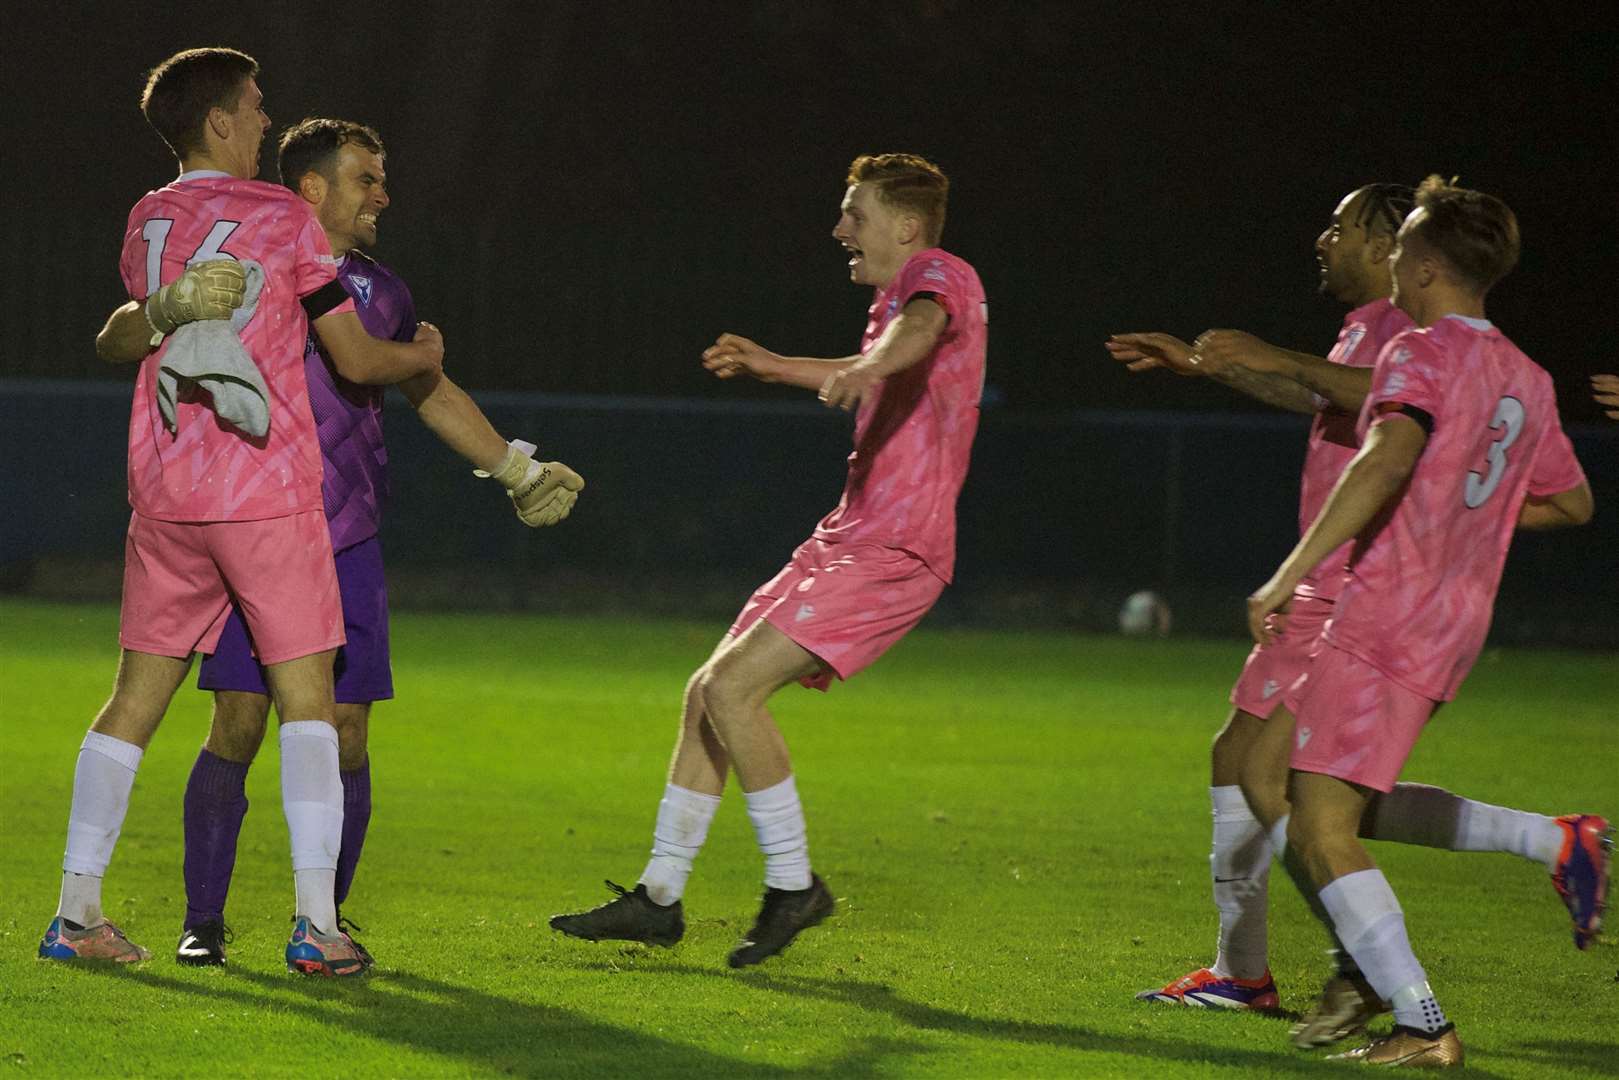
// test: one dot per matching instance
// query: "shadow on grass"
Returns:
(486, 1031)
(524, 1039)
(1601, 1059)
(878, 997)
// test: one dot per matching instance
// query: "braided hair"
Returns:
(1383, 207)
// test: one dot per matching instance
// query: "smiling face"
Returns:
(874, 234)
(355, 194)
(1344, 255)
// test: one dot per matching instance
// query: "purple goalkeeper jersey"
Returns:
(348, 416)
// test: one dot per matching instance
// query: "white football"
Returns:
(1144, 613)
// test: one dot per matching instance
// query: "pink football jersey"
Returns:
(207, 470)
(1424, 573)
(1333, 438)
(914, 432)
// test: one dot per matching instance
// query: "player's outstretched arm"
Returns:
(542, 493)
(1560, 511)
(1375, 476)
(1342, 386)
(909, 338)
(1605, 391)
(455, 418)
(1241, 361)
(1257, 368)
(732, 355)
(361, 358)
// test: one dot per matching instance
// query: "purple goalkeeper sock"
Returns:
(215, 804)
(356, 818)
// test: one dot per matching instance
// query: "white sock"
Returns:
(102, 779)
(1239, 864)
(1434, 817)
(312, 798)
(1369, 922)
(778, 822)
(683, 819)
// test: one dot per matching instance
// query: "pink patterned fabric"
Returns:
(208, 471)
(1334, 440)
(914, 433)
(1424, 574)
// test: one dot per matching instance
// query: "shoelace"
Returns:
(346, 925)
(617, 888)
(208, 931)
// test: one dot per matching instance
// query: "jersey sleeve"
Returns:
(933, 278)
(1408, 372)
(1555, 469)
(313, 265)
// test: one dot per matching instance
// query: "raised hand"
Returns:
(1605, 391)
(1153, 351)
(732, 355)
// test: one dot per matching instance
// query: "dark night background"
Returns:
(585, 195)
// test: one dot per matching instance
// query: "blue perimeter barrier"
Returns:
(691, 503)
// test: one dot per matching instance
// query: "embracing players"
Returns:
(1249, 770)
(870, 572)
(219, 512)
(1461, 445)
(337, 168)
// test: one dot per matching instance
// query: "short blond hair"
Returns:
(909, 183)
(1476, 234)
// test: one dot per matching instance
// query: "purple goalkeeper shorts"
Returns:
(362, 671)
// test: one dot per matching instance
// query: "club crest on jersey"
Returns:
(362, 286)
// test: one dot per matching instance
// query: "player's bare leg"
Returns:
(102, 779)
(1365, 916)
(1239, 866)
(740, 681)
(215, 805)
(652, 911)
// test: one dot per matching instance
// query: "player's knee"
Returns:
(237, 727)
(695, 706)
(724, 696)
(351, 737)
(1264, 796)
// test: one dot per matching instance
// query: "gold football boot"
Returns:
(1408, 1048)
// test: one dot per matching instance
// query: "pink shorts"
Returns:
(1353, 721)
(846, 603)
(1271, 669)
(180, 578)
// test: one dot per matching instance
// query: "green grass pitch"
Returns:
(1016, 827)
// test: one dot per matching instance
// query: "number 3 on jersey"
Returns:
(156, 234)
(1509, 419)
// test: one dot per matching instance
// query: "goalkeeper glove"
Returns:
(542, 493)
(207, 290)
